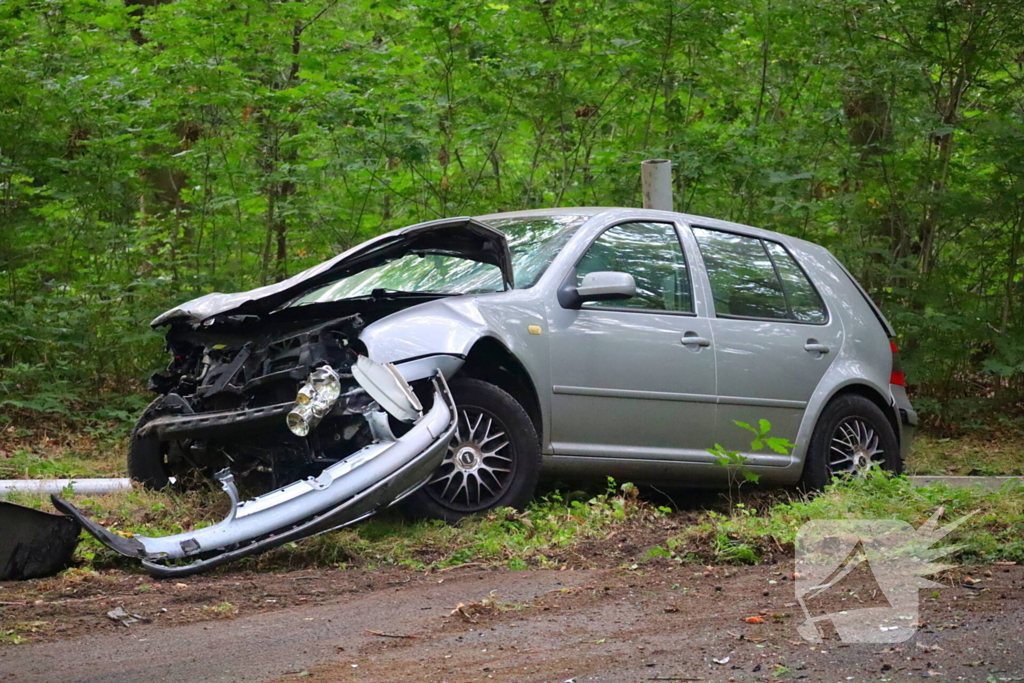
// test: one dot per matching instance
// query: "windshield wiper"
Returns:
(377, 293)
(482, 290)
(384, 291)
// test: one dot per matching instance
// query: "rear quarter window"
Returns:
(804, 302)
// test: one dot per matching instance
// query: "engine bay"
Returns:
(231, 396)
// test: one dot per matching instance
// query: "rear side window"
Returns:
(743, 279)
(755, 278)
(804, 302)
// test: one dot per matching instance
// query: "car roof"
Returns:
(613, 212)
(540, 213)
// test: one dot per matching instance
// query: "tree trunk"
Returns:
(944, 141)
(161, 196)
(279, 191)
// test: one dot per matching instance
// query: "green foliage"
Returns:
(762, 439)
(518, 540)
(736, 462)
(747, 535)
(149, 154)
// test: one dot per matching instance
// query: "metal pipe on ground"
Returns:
(85, 487)
(656, 181)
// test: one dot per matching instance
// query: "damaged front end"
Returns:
(376, 476)
(272, 393)
(289, 412)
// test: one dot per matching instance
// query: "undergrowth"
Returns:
(537, 537)
(749, 534)
(33, 446)
(755, 527)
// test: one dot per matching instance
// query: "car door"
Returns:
(634, 378)
(774, 338)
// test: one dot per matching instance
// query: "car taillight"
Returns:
(897, 377)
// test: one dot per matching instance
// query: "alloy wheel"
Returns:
(854, 448)
(478, 467)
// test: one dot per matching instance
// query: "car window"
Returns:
(651, 253)
(804, 302)
(743, 280)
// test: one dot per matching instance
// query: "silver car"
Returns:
(448, 364)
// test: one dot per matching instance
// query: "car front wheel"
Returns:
(153, 462)
(852, 436)
(492, 461)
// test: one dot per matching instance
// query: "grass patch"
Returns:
(34, 447)
(749, 533)
(982, 453)
(19, 632)
(537, 537)
(223, 610)
(559, 528)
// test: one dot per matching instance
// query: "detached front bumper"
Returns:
(367, 481)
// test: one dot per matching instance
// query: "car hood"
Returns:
(462, 237)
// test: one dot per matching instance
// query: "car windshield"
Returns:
(533, 241)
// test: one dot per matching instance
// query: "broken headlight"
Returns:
(314, 400)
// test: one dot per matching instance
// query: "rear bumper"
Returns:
(355, 488)
(907, 418)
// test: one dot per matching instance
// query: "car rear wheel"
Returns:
(492, 461)
(852, 436)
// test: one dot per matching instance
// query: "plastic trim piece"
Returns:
(196, 425)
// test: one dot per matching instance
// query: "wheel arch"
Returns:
(823, 397)
(491, 361)
(875, 397)
(850, 382)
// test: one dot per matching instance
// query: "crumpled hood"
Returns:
(463, 237)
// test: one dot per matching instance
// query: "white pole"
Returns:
(656, 180)
(84, 487)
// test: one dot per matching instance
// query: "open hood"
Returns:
(463, 237)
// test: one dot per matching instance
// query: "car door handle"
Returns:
(691, 339)
(813, 346)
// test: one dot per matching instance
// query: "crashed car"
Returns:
(441, 365)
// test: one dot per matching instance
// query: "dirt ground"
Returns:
(659, 622)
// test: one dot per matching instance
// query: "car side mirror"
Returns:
(601, 286)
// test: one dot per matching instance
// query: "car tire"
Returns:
(145, 454)
(851, 435)
(148, 455)
(494, 434)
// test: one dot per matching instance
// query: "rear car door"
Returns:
(774, 338)
(634, 378)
